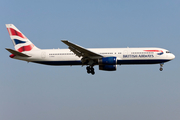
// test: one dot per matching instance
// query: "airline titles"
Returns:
(138, 56)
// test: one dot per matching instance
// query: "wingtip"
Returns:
(64, 40)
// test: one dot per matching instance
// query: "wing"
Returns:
(81, 52)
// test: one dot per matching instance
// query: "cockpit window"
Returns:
(168, 52)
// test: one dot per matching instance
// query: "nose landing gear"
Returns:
(90, 69)
(161, 67)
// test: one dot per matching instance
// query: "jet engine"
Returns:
(107, 63)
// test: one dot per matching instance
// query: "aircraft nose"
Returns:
(172, 56)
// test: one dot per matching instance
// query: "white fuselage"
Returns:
(123, 55)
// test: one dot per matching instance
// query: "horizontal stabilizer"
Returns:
(17, 53)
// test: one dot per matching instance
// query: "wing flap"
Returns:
(17, 53)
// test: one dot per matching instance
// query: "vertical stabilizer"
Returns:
(20, 42)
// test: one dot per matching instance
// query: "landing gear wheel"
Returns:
(93, 73)
(87, 68)
(90, 69)
(161, 69)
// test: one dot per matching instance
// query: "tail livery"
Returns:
(20, 42)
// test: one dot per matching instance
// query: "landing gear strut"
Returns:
(90, 69)
(161, 67)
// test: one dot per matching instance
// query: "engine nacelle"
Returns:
(108, 67)
(107, 61)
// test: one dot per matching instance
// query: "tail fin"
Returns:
(21, 43)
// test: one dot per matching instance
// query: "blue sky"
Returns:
(32, 91)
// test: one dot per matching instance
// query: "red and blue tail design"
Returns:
(21, 43)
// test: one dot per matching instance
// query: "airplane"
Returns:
(106, 58)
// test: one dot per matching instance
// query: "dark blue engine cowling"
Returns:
(108, 67)
(107, 61)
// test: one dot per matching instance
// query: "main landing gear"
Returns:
(90, 69)
(161, 67)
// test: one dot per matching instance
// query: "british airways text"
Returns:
(138, 56)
